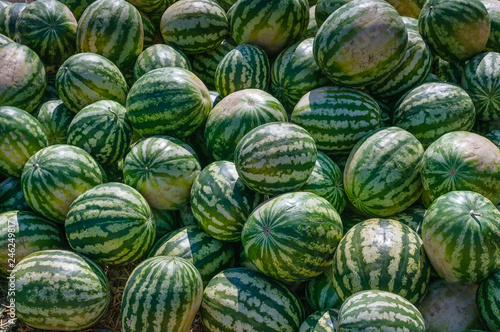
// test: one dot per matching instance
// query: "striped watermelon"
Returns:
(433, 109)
(381, 254)
(60, 290)
(170, 101)
(85, 78)
(22, 77)
(208, 255)
(448, 71)
(48, 27)
(185, 215)
(111, 224)
(102, 130)
(55, 118)
(376, 310)
(226, 4)
(235, 115)
(285, 245)
(30, 233)
(336, 117)
(205, 64)
(270, 24)
(12, 197)
(325, 8)
(488, 301)
(460, 233)
(410, 8)
(113, 29)
(149, 30)
(5, 40)
(194, 26)
(197, 141)
(411, 217)
(493, 8)
(240, 299)
(21, 137)
(162, 294)
(55, 176)
(159, 56)
(361, 42)
(166, 221)
(77, 7)
(326, 180)
(294, 73)
(152, 8)
(162, 169)
(412, 71)
(455, 30)
(245, 67)
(382, 174)
(320, 293)
(481, 80)
(321, 321)
(461, 160)
(220, 202)
(275, 158)
(494, 136)
(312, 27)
(8, 18)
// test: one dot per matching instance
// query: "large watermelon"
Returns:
(159, 56)
(55, 118)
(488, 301)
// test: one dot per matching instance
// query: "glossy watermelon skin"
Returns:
(12, 197)
(205, 64)
(230, 298)
(153, 299)
(454, 30)
(126, 41)
(379, 311)
(31, 233)
(270, 24)
(8, 17)
(220, 201)
(488, 301)
(55, 118)
(433, 109)
(159, 56)
(60, 290)
(481, 81)
(285, 245)
(237, 114)
(22, 77)
(392, 151)
(451, 221)
(461, 160)
(21, 137)
(85, 78)
(320, 321)
(170, 101)
(49, 28)
(162, 169)
(493, 8)
(55, 176)
(275, 158)
(350, 48)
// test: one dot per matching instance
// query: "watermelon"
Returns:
(455, 30)
(8, 18)
(336, 117)
(448, 71)
(488, 301)
(240, 299)
(159, 56)
(312, 27)
(461, 160)
(5, 40)
(493, 8)
(194, 26)
(166, 221)
(185, 215)
(12, 197)
(22, 77)
(494, 137)
(270, 24)
(209, 255)
(48, 27)
(102, 130)
(152, 8)
(287, 246)
(77, 7)
(320, 293)
(55, 118)
(275, 158)
(382, 174)
(21, 137)
(481, 80)
(244, 67)
(235, 115)
(220, 202)
(409, 8)
(60, 290)
(170, 101)
(149, 30)
(376, 310)
(325, 8)
(113, 29)
(460, 233)
(411, 217)
(226, 4)
(162, 169)
(361, 42)
(294, 73)
(55, 176)
(85, 78)
(22, 233)
(321, 321)
(433, 109)
(4, 3)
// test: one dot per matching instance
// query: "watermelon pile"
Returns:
(251, 165)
